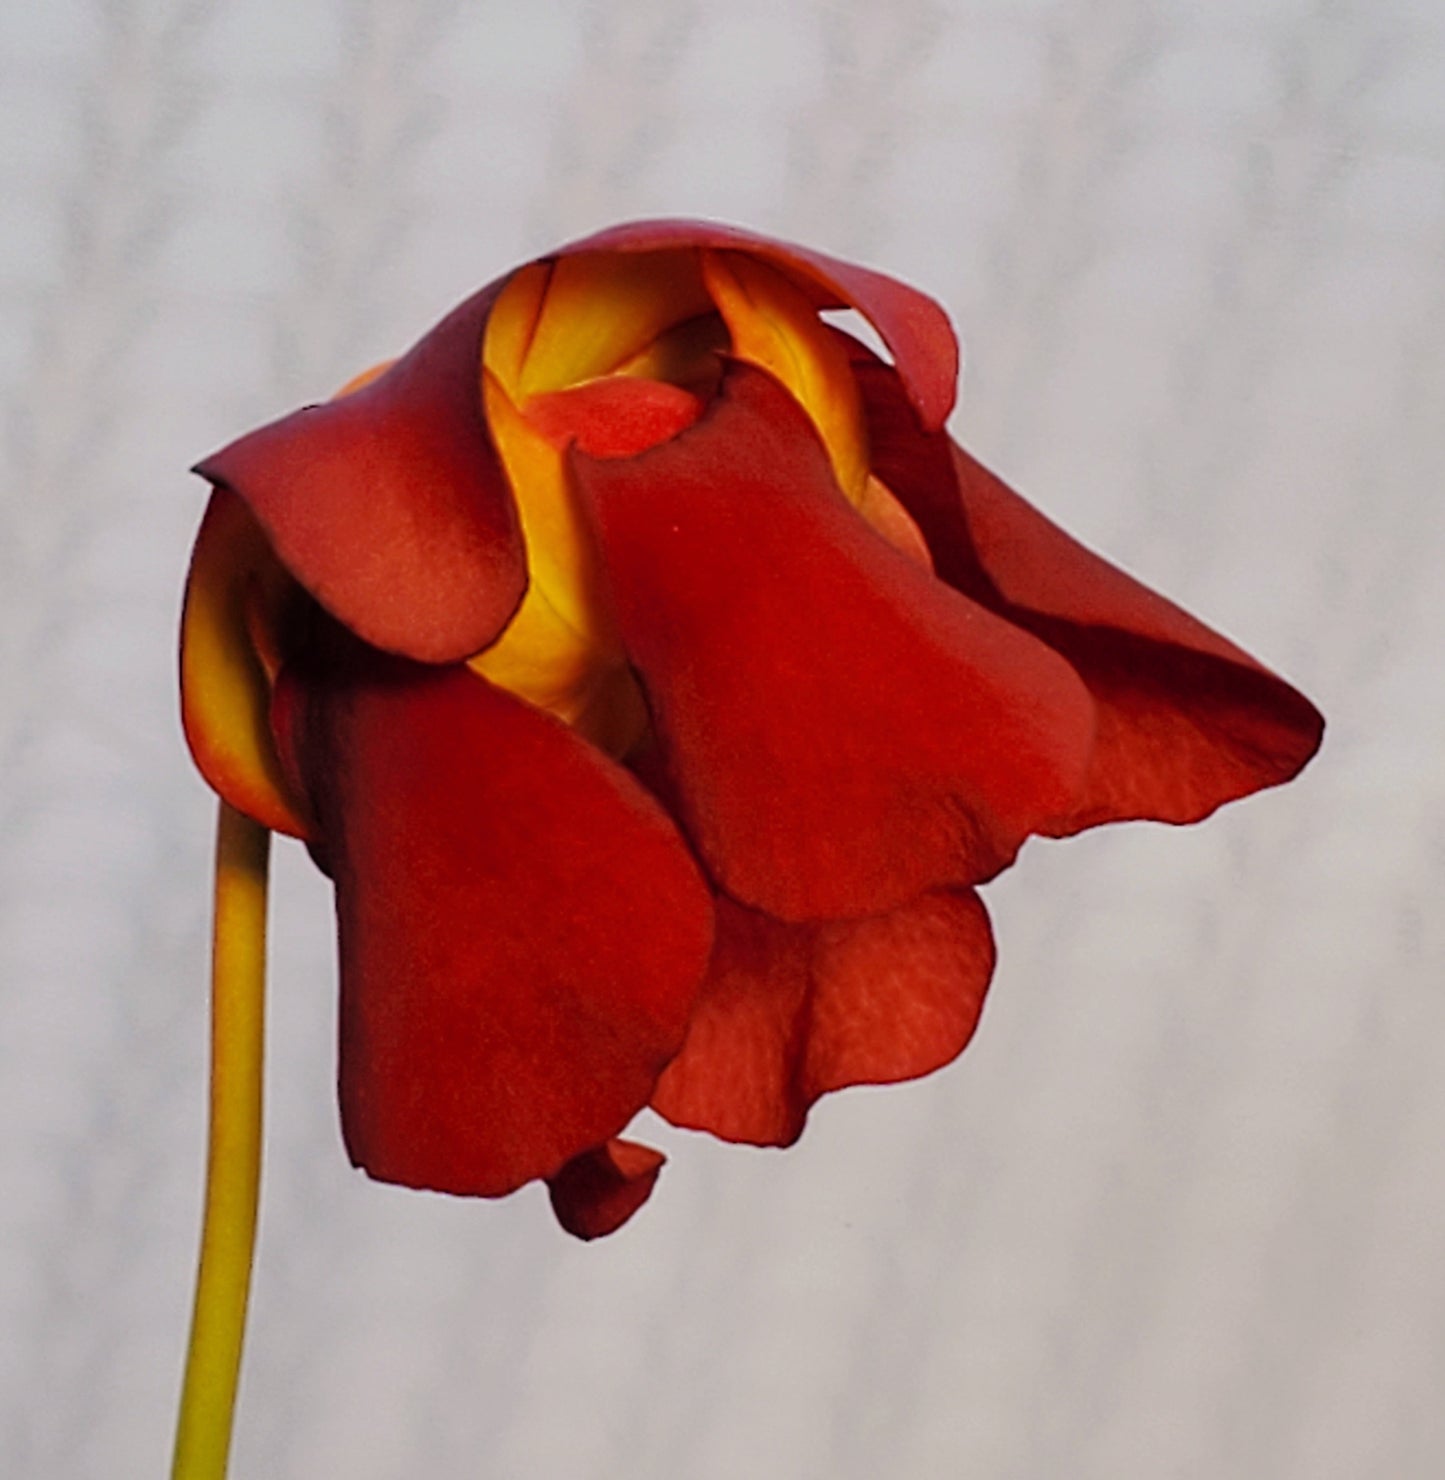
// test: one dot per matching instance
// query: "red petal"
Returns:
(616, 416)
(1187, 721)
(389, 504)
(911, 324)
(842, 731)
(522, 930)
(597, 1192)
(790, 1012)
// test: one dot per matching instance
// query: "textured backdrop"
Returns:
(1180, 1209)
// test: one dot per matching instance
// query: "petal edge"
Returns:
(598, 1191)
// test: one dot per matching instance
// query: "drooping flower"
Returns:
(656, 681)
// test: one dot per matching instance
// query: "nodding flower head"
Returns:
(656, 681)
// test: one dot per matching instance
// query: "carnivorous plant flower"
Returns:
(657, 681)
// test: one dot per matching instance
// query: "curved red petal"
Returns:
(841, 730)
(791, 1012)
(522, 930)
(389, 504)
(914, 327)
(615, 416)
(1187, 720)
(597, 1192)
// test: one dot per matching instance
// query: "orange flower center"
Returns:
(617, 351)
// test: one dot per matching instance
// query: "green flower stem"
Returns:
(233, 1162)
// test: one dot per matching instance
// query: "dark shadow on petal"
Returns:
(1187, 720)
(597, 1192)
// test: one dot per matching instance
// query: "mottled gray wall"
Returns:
(1180, 1210)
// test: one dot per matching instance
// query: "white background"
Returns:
(1180, 1210)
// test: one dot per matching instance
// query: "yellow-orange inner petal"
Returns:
(774, 326)
(558, 334)
(561, 651)
(234, 596)
(557, 323)
(563, 565)
(879, 507)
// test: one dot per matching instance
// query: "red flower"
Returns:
(656, 681)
